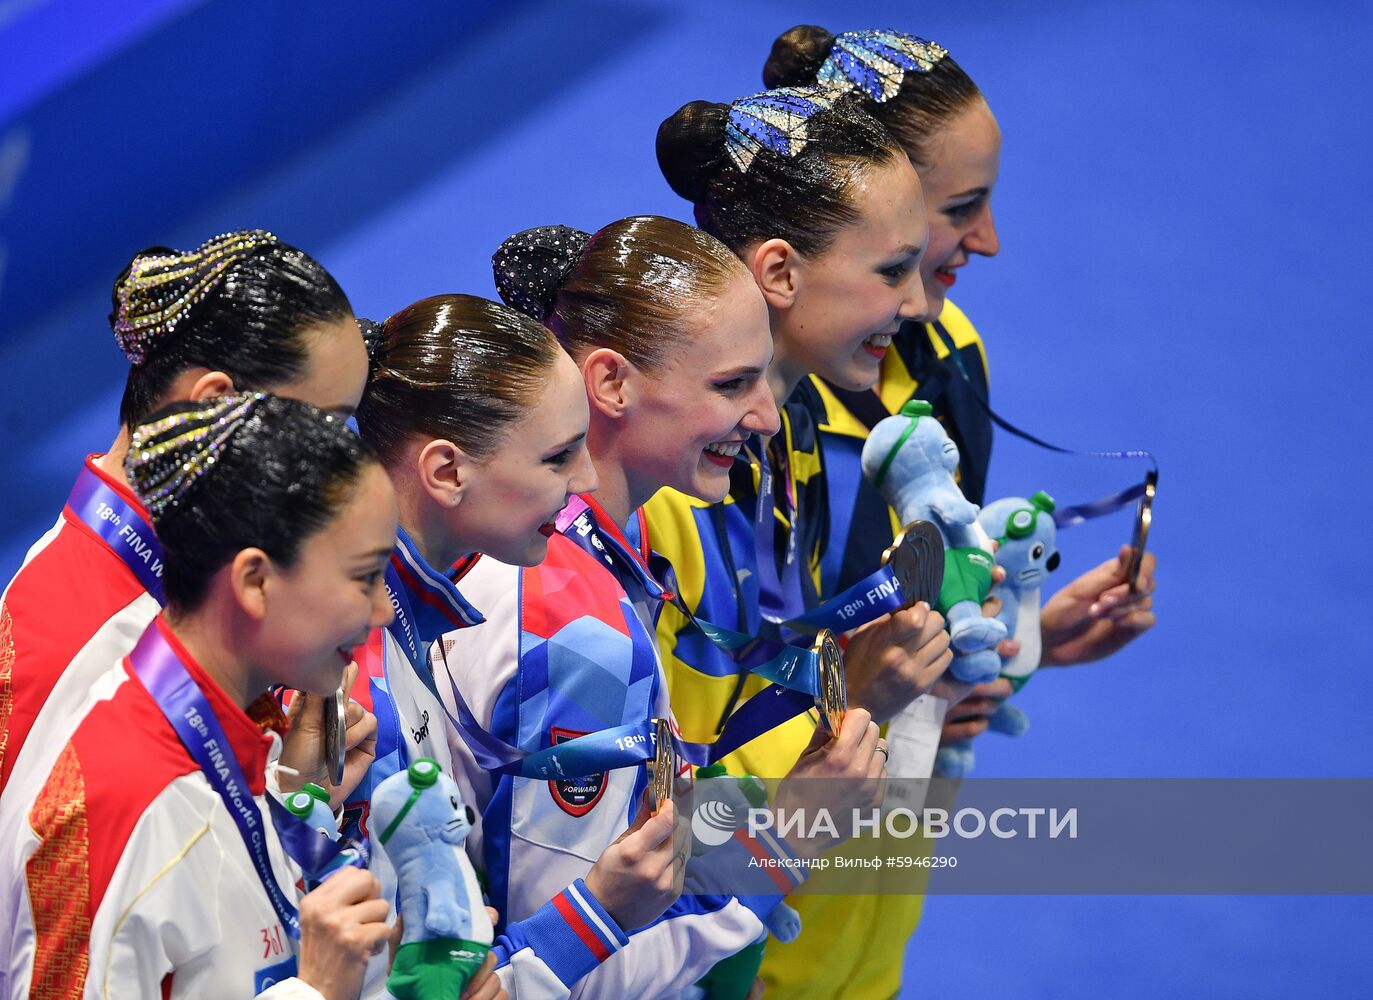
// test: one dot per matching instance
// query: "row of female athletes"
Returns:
(239, 538)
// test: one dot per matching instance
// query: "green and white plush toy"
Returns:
(448, 932)
(1027, 550)
(910, 460)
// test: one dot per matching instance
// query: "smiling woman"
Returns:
(825, 212)
(825, 209)
(670, 334)
(275, 521)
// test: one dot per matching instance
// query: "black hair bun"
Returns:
(797, 56)
(532, 265)
(691, 147)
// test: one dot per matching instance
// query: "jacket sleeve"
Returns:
(547, 955)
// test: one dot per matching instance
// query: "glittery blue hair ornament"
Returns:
(774, 120)
(876, 62)
(169, 455)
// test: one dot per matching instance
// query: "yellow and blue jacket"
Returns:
(843, 526)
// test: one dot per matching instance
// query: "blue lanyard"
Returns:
(122, 527)
(793, 670)
(185, 706)
(781, 597)
(1074, 514)
(793, 667)
(441, 607)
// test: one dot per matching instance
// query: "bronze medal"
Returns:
(335, 734)
(832, 696)
(1144, 516)
(916, 559)
(664, 764)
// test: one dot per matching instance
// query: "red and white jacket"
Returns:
(130, 878)
(73, 608)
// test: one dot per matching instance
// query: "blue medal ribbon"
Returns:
(793, 670)
(1074, 514)
(121, 526)
(427, 604)
(604, 750)
(183, 703)
(781, 596)
(870, 598)
(634, 743)
(793, 667)
(416, 624)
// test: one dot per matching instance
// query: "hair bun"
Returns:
(532, 265)
(168, 456)
(796, 56)
(160, 287)
(691, 147)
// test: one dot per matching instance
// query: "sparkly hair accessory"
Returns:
(160, 290)
(877, 61)
(371, 340)
(168, 456)
(775, 120)
(532, 265)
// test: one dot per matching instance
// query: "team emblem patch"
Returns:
(575, 796)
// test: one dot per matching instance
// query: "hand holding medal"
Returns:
(335, 735)
(664, 764)
(331, 740)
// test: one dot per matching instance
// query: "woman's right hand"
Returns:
(640, 875)
(840, 774)
(895, 659)
(342, 925)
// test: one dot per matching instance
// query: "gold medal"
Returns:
(1144, 516)
(832, 696)
(335, 734)
(664, 764)
(916, 559)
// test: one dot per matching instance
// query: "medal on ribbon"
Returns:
(1144, 516)
(335, 734)
(916, 560)
(664, 763)
(831, 698)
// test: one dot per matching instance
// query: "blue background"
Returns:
(1184, 210)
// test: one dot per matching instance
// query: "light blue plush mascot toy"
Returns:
(910, 460)
(721, 805)
(1028, 552)
(448, 932)
(311, 804)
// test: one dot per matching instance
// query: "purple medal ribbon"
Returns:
(122, 527)
(185, 706)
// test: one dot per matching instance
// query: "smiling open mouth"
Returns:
(877, 344)
(723, 453)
